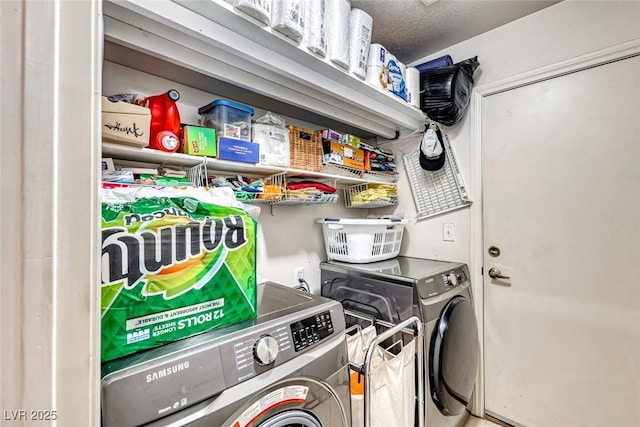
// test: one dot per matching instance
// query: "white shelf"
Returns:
(211, 39)
(149, 155)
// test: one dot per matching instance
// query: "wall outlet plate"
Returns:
(449, 232)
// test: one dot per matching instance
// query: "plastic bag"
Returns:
(270, 132)
(447, 91)
(259, 9)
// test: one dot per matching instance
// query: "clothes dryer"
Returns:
(289, 366)
(439, 293)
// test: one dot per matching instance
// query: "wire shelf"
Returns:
(436, 192)
(381, 176)
(371, 196)
(340, 170)
(308, 200)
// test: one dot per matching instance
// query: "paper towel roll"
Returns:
(360, 28)
(287, 18)
(337, 20)
(259, 9)
(412, 77)
(314, 26)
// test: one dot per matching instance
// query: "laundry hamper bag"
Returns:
(362, 240)
(393, 385)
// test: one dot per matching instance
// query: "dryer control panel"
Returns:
(443, 282)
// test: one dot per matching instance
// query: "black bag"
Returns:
(446, 91)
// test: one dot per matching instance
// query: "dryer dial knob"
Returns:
(265, 350)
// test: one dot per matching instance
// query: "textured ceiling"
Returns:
(410, 30)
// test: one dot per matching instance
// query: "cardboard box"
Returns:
(332, 135)
(354, 141)
(329, 147)
(238, 150)
(177, 266)
(338, 159)
(199, 141)
(125, 123)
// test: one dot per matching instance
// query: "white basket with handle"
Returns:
(362, 240)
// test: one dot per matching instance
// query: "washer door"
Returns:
(453, 357)
(292, 419)
(297, 402)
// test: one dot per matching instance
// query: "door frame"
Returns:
(50, 210)
(476, 249)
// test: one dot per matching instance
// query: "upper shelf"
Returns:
(210, 39)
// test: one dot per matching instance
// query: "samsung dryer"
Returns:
(439, 293)
(288, 366)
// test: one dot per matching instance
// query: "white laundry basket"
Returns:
(362, 240)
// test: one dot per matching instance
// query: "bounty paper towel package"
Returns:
(173, 265)
(360, 28)
(337, 24)
(314, 26)
(287, 18)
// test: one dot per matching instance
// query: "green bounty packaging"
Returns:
(172, 266)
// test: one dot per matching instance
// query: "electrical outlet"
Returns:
(298, 274)
(449, 232)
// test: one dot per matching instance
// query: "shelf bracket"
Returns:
(274, 209)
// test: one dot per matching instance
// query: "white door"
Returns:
(561, 197)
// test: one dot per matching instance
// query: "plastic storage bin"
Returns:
(362, 240)
(229, 119)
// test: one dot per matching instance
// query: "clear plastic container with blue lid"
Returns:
(230, 119)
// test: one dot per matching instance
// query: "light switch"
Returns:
(449, 232)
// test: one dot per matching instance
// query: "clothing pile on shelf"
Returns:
(161, 177)
(311, 191)
(375, 193)
(245, 190)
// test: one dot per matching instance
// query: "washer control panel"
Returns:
(266, 348)
(262, 349)
(309, 331)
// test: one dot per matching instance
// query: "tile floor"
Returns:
(479, 422)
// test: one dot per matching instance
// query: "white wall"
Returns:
(288, 238)
(555, 34)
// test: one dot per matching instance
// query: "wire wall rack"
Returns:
(371, 196)
(436, 192)
(274, 189)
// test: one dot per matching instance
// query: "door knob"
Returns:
(495, 273)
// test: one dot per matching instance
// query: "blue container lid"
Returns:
(443, 61)
(224, 103)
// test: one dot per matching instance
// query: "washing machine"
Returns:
(286, 367)
(439, 293)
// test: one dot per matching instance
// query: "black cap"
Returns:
(432, 152)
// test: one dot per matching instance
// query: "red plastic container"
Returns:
(165, 121)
